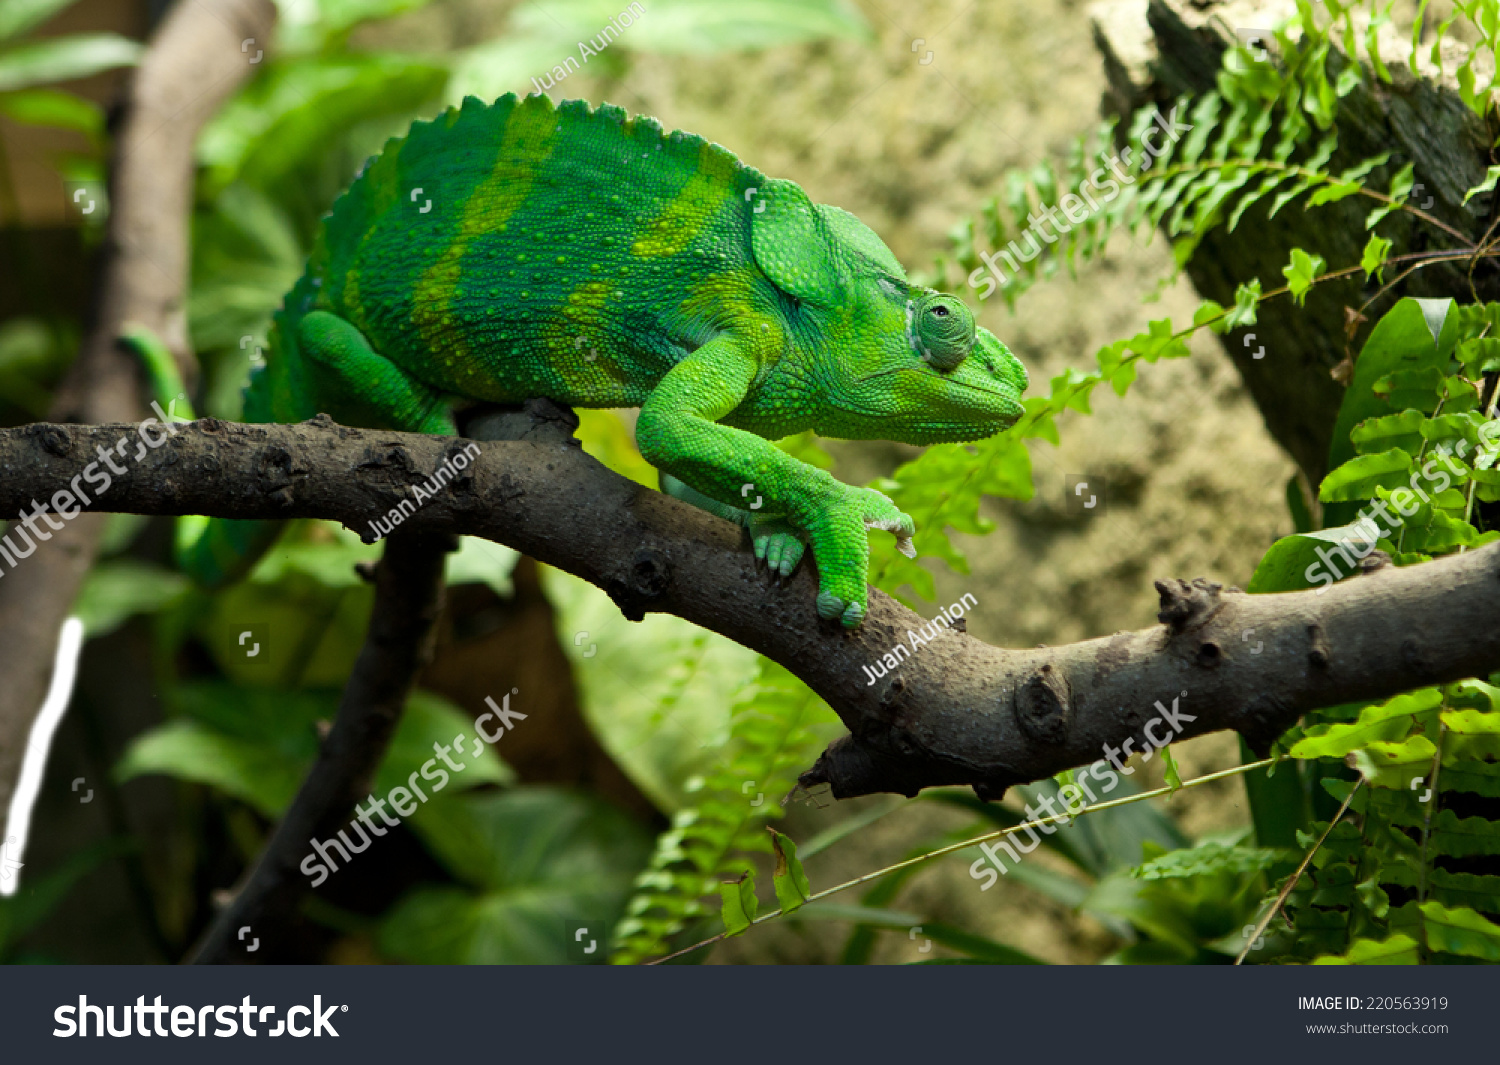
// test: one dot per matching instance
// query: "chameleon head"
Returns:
(892, 360)
(924, 373)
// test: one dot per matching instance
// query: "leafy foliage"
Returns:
(1413, 875)
(774, 734)
(530, 863)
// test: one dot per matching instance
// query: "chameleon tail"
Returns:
(214, 552)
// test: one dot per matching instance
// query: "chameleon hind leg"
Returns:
(357, 385)
(776, 542)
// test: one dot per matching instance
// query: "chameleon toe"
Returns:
(830, 606)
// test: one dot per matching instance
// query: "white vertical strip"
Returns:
(29, 786)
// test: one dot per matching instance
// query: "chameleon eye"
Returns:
(943, 331)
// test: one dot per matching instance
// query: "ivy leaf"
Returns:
(740, 904)
(1301, 272)
(792, 885)
(1246, 298)
(1169, 770)
(1487, 185)
(1372, 262)
(1212, 312)
(1400, 189)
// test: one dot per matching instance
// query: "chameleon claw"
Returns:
(830, 606)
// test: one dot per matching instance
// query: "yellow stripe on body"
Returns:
(691, 209)
(524, 148)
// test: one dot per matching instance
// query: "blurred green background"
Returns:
(192, 749)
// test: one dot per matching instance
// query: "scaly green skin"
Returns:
(516, 250)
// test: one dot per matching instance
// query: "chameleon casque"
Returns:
(518, 250)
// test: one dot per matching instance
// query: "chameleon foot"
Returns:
(778, 545)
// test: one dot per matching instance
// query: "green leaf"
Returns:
(1098, 844)
(64, 59)
(1401, 185)
(1169, 770)
(1408, 389)
(1212, 312)
(979, 948)
(307, 27)
(792, 885)
(740, 904)
(1246, 300)
(1393, 764)
(190, 750)
(18, 16)
(1480, 355)
(1460, 931)
(777, 726)
(534, 862)
(1333, 192)
(1301, 273)
(658, 693)
(50, 107)
(1358, 478)
(1209, 859)
(1372, 262)
(1491, 175)
(691, 27)
(39, 896)
(256, 744)
(1388, 721)
(117, 590)
(1278, 803)
(1402, 431)
(1398, 949)
(292, 113)
(1300, 561)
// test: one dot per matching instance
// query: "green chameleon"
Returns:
(519, 250)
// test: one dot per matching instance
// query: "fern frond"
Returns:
(775, 732)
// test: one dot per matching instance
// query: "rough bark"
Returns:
(956, 711)
(194, 63)
(1157, 50)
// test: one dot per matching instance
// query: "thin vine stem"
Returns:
(999, 834)
(1281, 898)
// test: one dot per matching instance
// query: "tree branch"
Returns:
(957, 711)
(408, 598)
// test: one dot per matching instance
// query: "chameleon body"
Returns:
(517, 250)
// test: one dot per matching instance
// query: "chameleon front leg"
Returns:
(775, 542)
(678, 433)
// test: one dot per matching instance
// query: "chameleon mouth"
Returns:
(1004, 393)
